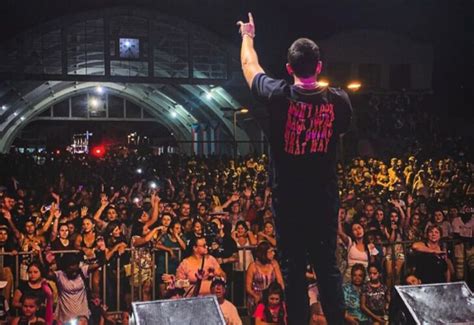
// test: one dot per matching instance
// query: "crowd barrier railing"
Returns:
(120, 270)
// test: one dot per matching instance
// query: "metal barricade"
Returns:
(121, 267)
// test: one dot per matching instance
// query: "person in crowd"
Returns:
(197, 230)
(272, 308)
(411, 279)
(59, 237)
(143, 240)
(358, 251)
(463, 229)
(352, 292)
(71, 280)
(374, 298)
(439, 219)
(267, 234)
(244, 238)
(87, 243)
(7, 261)
(261, 273)
(414, 230)
(116, 248)
(316, 311)
(199, 268)
(82, 190)
(235, 209)
(431, 262)
(341, 248)
(171, 245)
(35, 286)
(111, 213)
(395, 257)
(30, 306)
(230, 313)
(224, 248)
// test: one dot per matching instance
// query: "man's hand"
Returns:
(247, 28)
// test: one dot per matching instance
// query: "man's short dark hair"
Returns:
(303, 57)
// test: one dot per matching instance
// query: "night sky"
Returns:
(278, 23)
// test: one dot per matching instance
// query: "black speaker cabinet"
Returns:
(441, 303)
(185, 311)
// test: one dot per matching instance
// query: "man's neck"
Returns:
(306, 83)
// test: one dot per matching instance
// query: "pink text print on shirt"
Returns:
(309, 127)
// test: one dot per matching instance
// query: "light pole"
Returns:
(235, 112)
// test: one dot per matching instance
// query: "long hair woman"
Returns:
(261, 274)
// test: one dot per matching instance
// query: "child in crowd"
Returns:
(272, 309)
(375, 297)
(30, 305)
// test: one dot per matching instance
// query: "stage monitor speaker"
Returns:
(441, 303)
(185, 311)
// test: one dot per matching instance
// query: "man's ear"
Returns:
(319, 67)
(289, 69)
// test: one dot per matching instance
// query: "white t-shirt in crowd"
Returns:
(463, 229)
(231, 316)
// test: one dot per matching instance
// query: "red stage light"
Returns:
(98, 151)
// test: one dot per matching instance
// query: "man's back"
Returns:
(305, 125)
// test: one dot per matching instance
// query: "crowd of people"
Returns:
(173, 226)
(404, 121)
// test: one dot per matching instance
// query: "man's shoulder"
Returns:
(339, 92)
(266, 88)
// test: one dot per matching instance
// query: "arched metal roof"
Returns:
(178, 64)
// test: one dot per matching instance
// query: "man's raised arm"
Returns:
(248, 56)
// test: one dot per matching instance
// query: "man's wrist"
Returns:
(247, 30)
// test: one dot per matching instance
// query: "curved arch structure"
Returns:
(177, 64)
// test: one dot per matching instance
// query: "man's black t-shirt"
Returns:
(304, 128)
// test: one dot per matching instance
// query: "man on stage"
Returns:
(306, 120)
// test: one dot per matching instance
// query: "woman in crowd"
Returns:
(414, 231)
(171, 245)
(60, 238)
(352, 291)
(33, 287)
(116, 247)
(244, 238)
(261, 273)
(199, 268)
(383, 180)
(143, 240)
(374, 298)
(267, 234)
(72, 287)
(87, 243)
(395, 257)
(165, 222)
(272, 308)
(439, 219)
(379, 222)
(431, 262)
(358, 251)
